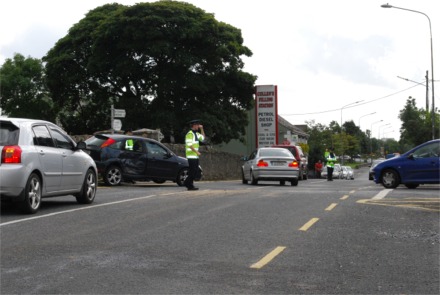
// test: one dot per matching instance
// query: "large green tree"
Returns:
(416, 125)
(164, 62)
(23, 89)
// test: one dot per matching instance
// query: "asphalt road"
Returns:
(340, 237)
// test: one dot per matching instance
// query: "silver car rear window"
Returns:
(275, 153)
(9, 134)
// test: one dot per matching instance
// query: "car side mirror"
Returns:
(81, 145)
(410, 156)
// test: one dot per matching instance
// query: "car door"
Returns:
(50, 158)
(161, 163)
(247, 166)
(73, 166)
(423, 165)
(134, 157)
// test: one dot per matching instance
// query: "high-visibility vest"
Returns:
(192, 139)
(331, 160)
(129, 144)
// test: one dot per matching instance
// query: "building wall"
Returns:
(286, 130)
(242, 148)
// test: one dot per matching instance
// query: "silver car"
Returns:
(273, 164)
(38, 160)
(346, 173)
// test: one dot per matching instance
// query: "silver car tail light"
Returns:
(11, 154)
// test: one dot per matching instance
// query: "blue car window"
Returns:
(154, 149)
(137, 146)
(427, 151)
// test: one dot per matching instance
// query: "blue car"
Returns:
(420, 165)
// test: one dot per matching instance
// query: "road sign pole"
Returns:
(112, 111)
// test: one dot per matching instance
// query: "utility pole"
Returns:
(427, 92)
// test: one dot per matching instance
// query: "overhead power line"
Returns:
(359, 104)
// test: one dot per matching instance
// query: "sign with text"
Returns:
(119, 113)
(266, 107)
(117, 124)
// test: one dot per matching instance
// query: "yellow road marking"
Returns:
(344, 197)
(352, 192)
(268, 258)
(331, 207)
(311, 222)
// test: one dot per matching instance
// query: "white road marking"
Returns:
(382, 194)
(77, 209)
(94, 206)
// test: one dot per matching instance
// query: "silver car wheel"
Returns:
(32, 197)
(254, 181)
(113, 176)
(91, 185)
(181, 176)
(34, 193)
(88, 190)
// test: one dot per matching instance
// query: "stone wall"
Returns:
(216, 165)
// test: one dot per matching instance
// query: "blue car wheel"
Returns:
(390, 178)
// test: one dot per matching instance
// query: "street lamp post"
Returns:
(378, 133)
(371, 143)
(342, 140)
(432, 62)
(383, 131)
(364, 116)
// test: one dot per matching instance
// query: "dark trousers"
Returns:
(330, 172)
(193, 169)
(318, 173)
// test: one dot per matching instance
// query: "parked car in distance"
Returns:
(392, 155)
(336, 171)
(420, 165)
(372, 165)
(300, 157)
(39, 160)
(272, 164)
(346, 173)
(129, 158)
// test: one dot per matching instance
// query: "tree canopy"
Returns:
(164, 62)
(23, 89)
(416, 124)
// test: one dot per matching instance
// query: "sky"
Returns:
(337, 60)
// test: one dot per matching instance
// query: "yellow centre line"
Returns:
(331, 207)
(344, 197)
(268, 258)
(306, 226)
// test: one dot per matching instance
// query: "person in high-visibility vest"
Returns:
(192, 144)
(129, 141)
(331, 159)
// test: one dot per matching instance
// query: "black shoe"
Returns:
(193, 188)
